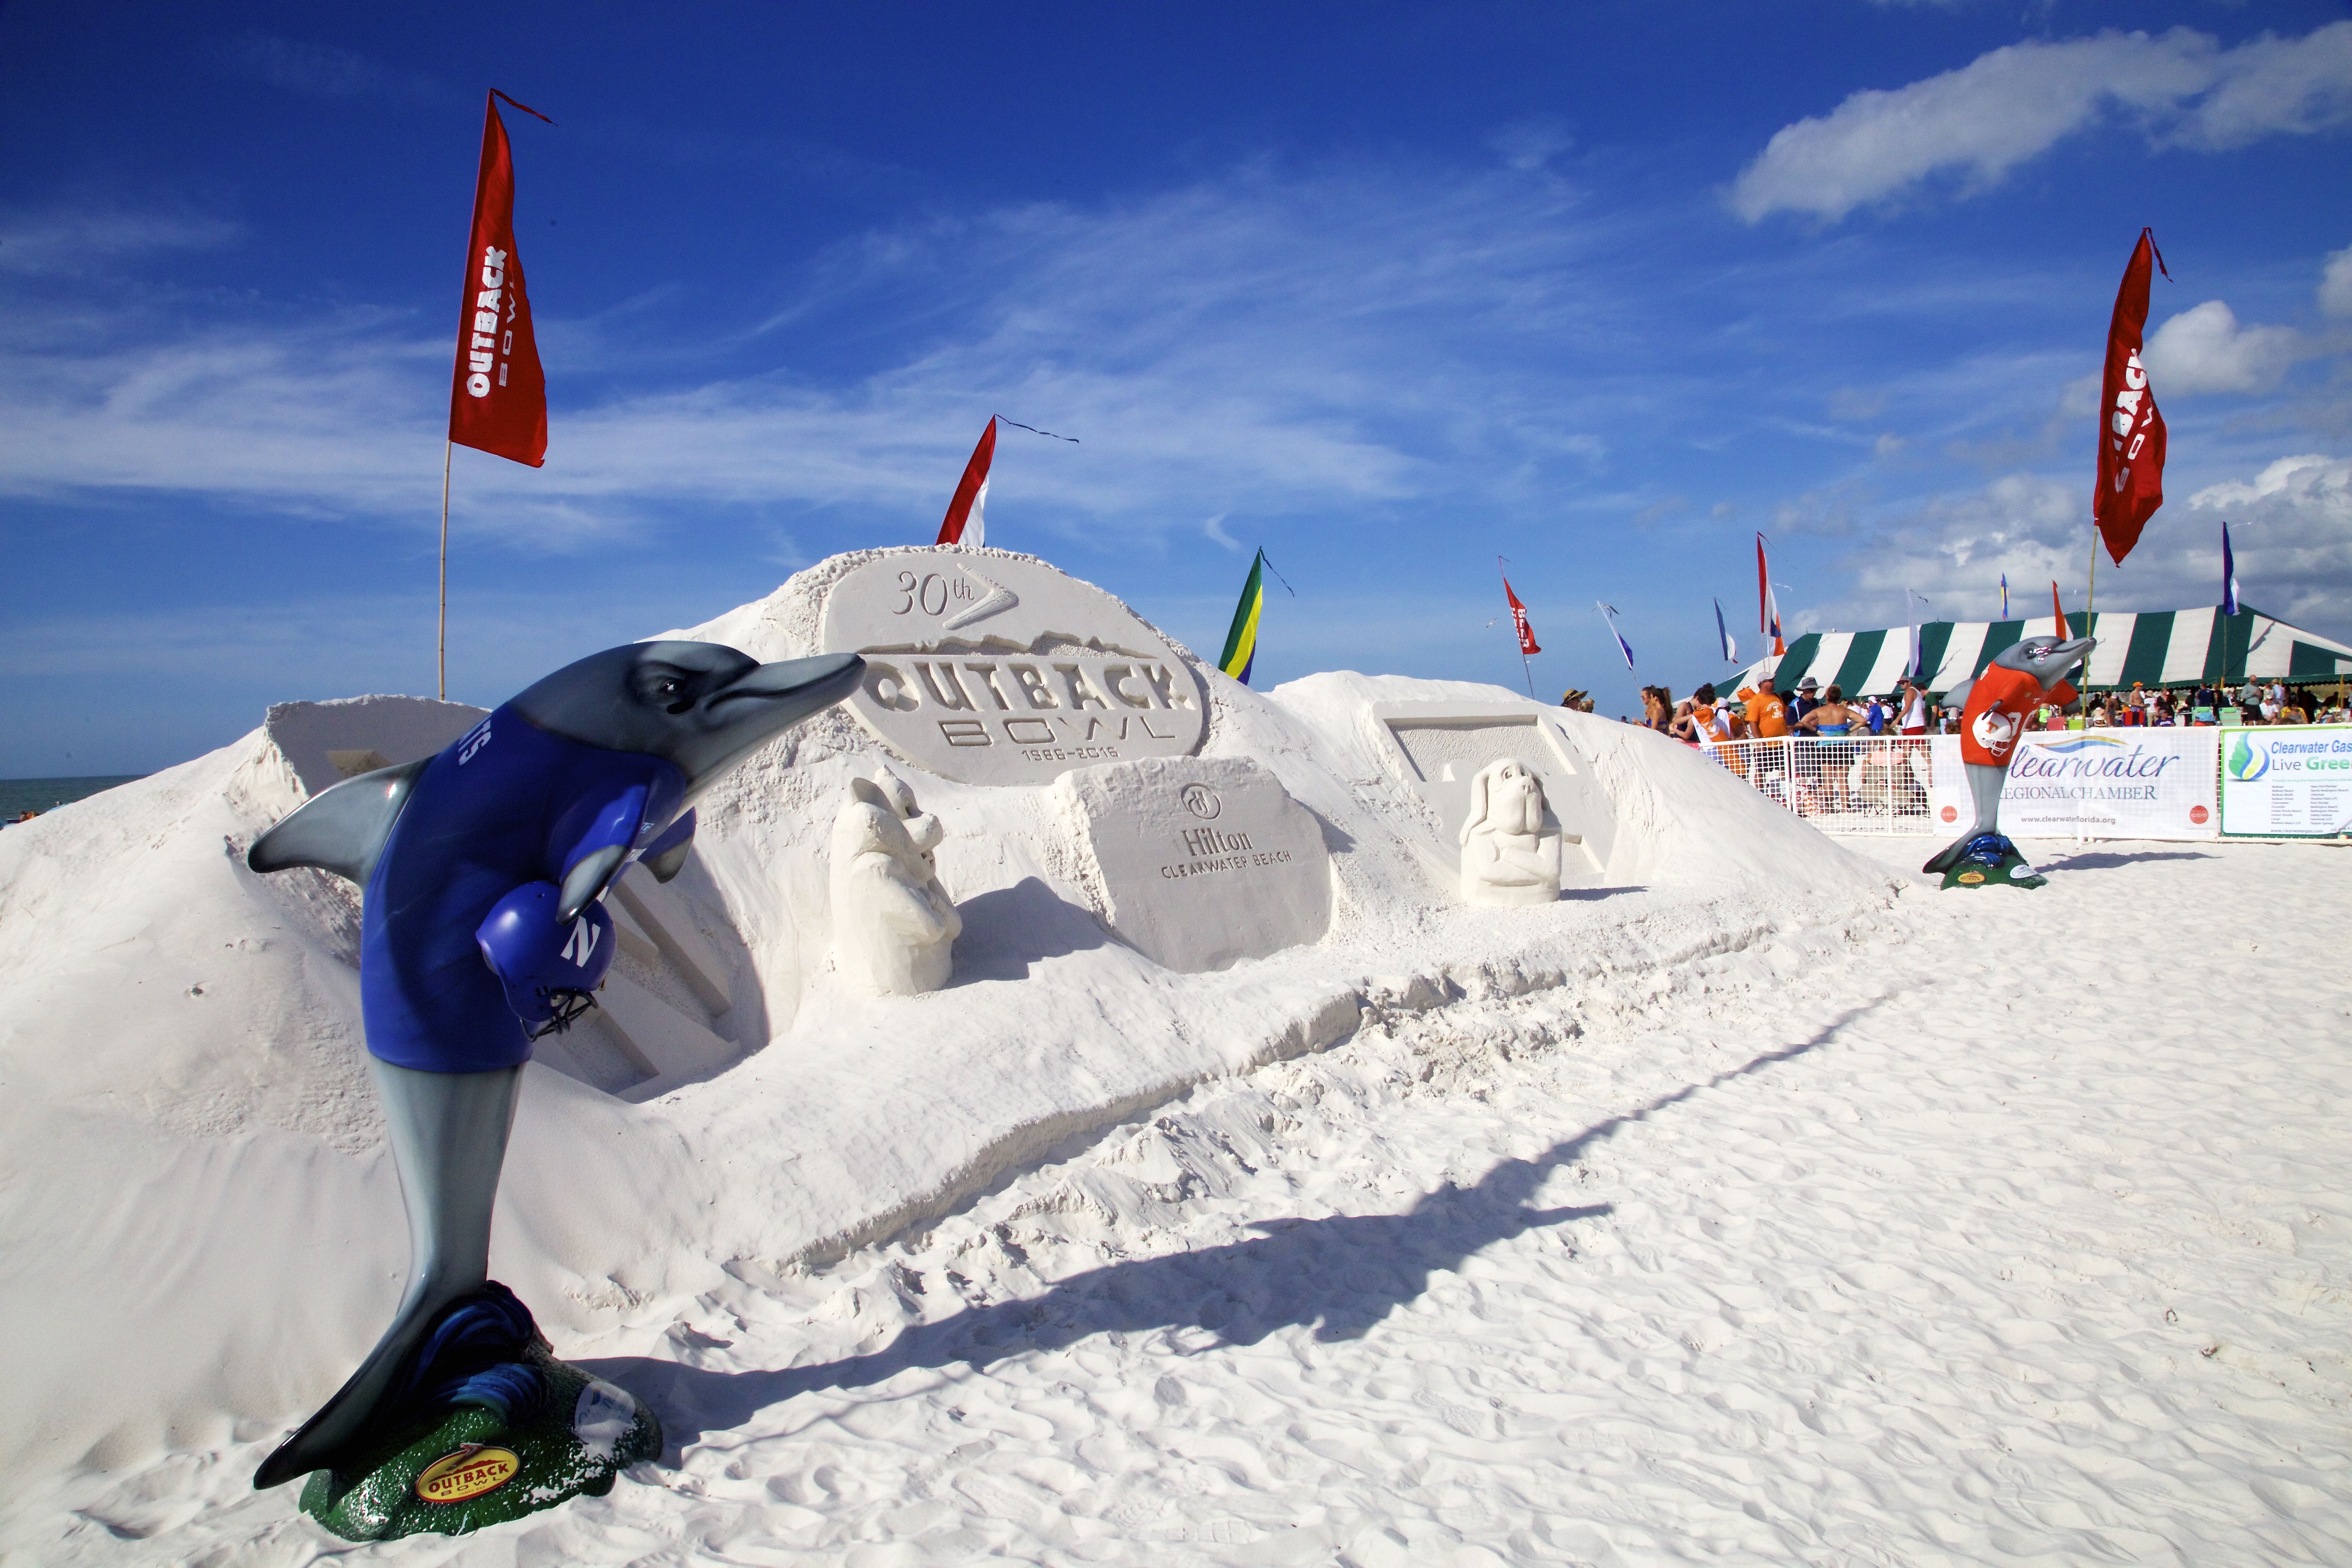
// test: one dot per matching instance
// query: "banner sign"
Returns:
(2095, 783)
(497, 396)
(2290, 781)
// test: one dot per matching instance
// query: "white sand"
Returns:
(1766, 1206)
(2001, 1227)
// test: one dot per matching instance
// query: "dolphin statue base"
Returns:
(1990, 859)
(495, 1429)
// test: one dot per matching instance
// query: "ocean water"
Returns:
(20, 795)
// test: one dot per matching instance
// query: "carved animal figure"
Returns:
(1508, 857)
(480, 867)
(2020, 678)
(894, 926)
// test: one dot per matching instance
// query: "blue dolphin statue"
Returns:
(520, 826)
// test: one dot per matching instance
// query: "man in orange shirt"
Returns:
(1768, 716)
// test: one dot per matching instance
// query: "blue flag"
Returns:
(1609, 614)
(2004, 596)
(2229, 575)
(1730, 648)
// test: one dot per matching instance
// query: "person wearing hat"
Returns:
(1911, 708)
(1804, 701)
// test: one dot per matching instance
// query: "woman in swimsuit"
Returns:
(1833, 720)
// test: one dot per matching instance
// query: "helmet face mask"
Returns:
(549, 968)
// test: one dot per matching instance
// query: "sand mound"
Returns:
(193, 1185)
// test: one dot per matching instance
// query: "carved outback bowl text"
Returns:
(992, 668)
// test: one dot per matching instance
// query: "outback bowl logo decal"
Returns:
(467, 1473)
(1996, 732)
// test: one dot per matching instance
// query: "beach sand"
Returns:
(1988, 1228)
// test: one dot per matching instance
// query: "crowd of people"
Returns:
(1759, 712)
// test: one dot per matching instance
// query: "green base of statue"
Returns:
(465, 1467)
(2007, 869)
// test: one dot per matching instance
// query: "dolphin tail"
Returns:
(1984, 790)
(448, 1134)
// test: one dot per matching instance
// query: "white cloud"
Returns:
(2013, 104)
(2204, 348)
(2309, 478)
(1532, 143)
(2271, 86)
(1215, 528)
(2336, 284)
(320, 70)
(1258, 342)
(66, 241)
(2290, 525)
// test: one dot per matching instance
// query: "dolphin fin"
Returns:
(1958, 696)
(342, 829)
(448, 1135)
(588, 878)
(666, 856)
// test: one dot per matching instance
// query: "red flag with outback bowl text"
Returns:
(497, 398)
(2131, 432)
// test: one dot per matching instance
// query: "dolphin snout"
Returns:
(802, 686)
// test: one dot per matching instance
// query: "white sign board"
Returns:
(1202, 861)
(990, 668)
(2288, 780)
(2134, 783)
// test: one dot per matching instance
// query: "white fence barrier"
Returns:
(1850, 783)
(2067, 784)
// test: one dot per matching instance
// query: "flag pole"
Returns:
(1529, 671)
(441, 639)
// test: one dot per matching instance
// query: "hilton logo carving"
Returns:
(1215, 850)
(994, 669)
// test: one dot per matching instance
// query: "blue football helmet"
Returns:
(550, 970)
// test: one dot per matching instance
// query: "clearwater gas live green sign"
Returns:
(2288, 781)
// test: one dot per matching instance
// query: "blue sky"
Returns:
(1389, 290)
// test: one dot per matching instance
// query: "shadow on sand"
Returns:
(1342, 1275)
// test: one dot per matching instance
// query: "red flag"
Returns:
(1768, 608)
(2131, 433)
(1519, 620)
(497, 398)
(2056, 613)
(967, 518)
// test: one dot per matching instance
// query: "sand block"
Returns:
(1201, 861)
(995, 669)
(327, 742)
(1443, 747)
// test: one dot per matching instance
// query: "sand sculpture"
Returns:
(1199, 862)
(481, 930)
(988, 668)
(1510, 853)
(2020, 678)
(894, 926)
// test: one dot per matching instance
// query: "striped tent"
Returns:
(2155, 648)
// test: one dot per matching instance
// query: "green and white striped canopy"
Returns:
(2155, 648)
